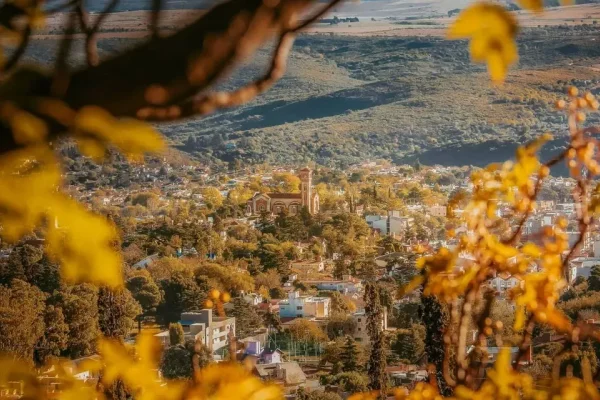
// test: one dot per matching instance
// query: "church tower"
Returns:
(306, 188)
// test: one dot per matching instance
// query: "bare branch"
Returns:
(155, 18)
(197, 55)
(214, 101)
(16, 56)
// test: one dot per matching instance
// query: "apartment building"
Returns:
(202, 326)
(361, 333)
(296, 306)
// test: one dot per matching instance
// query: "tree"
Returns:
(21, 264)
(351, 382)
(21, 319)
(80, 308)
(349, 357)
(145, 291)
(56, 335)
(224, 278)
(340, 325)
(286, 182)
(305, 330)
(212, 197)
(594, 278)
(181, 293)
(269, 279)
(435, 320)
(176, 334)
(409, 344)
(377, 359)
(341, 304)
(277, 293)
(182, 360)
(272, 321)
(246, 319)
(117, 311)
(176, 363)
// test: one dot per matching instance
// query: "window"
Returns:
(359, 320)
(261, 208)
(299, 315)
(299, 308)
(359, 329)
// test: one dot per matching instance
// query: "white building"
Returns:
(393, 224)
(346, 285)
(296, 306)
(213, 332)
(502, 283)
(582, 266)
(253, 299)
(360, 317)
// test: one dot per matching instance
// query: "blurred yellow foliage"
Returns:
(492, 30)
(95, 129)
(84, 243)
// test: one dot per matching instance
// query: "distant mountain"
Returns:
(135, 5)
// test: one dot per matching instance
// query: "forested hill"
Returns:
(345, 99)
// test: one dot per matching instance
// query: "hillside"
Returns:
(403, 94)
(401, 99)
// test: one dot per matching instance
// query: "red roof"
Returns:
(285, 195)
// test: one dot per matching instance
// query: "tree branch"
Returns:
(180, 66)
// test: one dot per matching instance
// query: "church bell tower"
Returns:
(306, 188)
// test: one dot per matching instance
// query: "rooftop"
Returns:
(284, 195)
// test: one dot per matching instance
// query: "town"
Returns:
(296, 272)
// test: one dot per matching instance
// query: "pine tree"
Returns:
(56, 335)
(435, 319)
(349, 356)
(116, 313)
(246, 319)
(176, 334)
(377, 359)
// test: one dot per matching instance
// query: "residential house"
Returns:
(287, 374)
(297, 306)
(253, 299)
(346, 285)
(271, 356)
(437, 210)
(503, 282)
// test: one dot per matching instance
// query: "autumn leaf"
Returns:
(492, 31)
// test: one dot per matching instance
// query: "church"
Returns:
(276, 203)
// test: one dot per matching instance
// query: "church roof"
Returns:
(285, 195)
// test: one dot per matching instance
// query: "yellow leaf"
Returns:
(32, 173)
(83, 243)
(132, 137)
(492, 31)
(487, 18)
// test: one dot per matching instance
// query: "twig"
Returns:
(155, 18)
(60, 81)
(16, 56)
(526, 342)
(91, 47)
